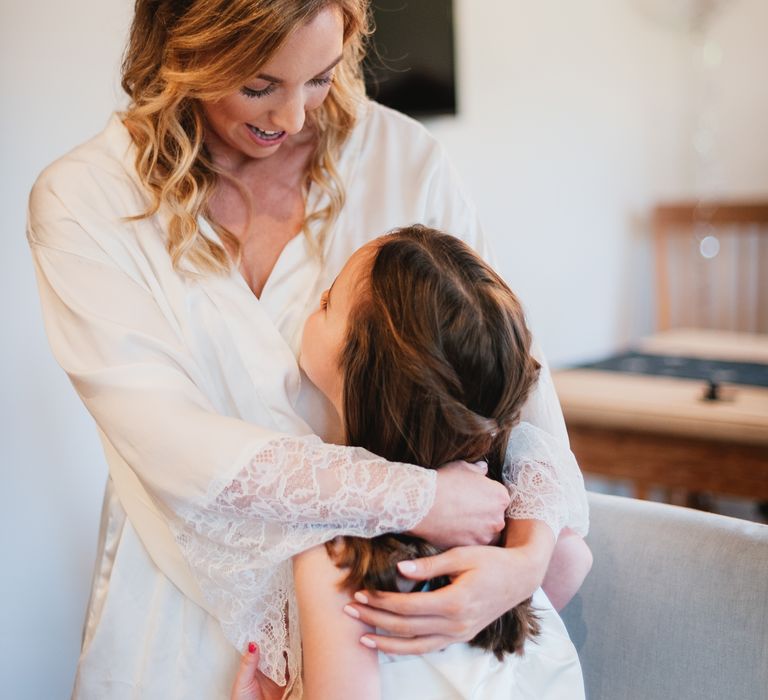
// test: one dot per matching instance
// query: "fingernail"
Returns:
(361, 598)
(251, 648)
(351, 612)
(367, 642)
(407, 567)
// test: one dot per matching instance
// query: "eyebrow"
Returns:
(273, 79)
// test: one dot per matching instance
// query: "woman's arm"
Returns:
(336, 666)
(486, 581)
(425, 622)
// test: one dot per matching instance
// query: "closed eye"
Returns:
(251, 92)
(321, 81)
(324, 300)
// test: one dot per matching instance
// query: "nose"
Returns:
(289, 116)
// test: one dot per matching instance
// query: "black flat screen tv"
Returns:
(410, 62)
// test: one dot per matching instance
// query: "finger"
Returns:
(249, 662)
(399, 645)
(442, 602)
(403, 625)
(448, 563)
(249, 666)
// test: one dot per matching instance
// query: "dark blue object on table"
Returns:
(713, 371)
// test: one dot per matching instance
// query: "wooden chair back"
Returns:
(712, 265)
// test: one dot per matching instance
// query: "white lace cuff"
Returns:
(294, 494)
(544, 481)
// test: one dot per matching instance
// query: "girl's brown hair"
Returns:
(183, 51)
(436, 367)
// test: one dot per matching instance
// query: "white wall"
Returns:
(575, 118)
(58, 68)
(741, 99)
(573, 122)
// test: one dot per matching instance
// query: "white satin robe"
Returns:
(192, 381)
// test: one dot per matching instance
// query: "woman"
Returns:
(178, 254)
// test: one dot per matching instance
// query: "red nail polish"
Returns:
(251, 648)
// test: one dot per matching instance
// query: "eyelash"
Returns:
(251, 93)
(315, 82)
(321, 82)
(324, 301)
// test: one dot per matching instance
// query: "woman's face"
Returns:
(272, 106)
(325, 331)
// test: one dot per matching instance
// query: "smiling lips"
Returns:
(266, 137)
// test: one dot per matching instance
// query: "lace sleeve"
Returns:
(295, 493)
(544, 481)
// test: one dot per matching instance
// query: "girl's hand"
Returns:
(252, 684)
(487, 581)
(468, 509)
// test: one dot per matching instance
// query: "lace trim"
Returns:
(295, 493)
(544, 481)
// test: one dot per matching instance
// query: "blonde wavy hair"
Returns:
(183, 52)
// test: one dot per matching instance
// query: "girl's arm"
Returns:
(571, 562)
(336, 665)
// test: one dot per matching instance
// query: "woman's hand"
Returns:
(468, 509)
(487, 581)
(252, 684)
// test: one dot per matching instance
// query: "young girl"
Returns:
(424, 352)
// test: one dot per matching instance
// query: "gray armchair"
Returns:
(675, 607)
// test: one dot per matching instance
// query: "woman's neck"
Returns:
(261, 201)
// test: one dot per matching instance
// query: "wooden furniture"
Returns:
(659, 431)
(712, 265)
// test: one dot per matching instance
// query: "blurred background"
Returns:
(572, 121)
